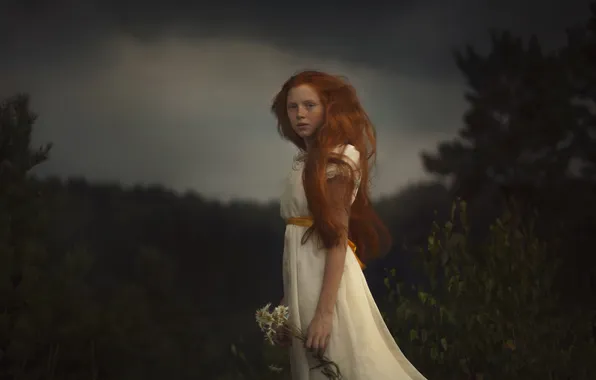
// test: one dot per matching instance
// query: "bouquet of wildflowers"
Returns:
(275, 323)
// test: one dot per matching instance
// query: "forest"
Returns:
(492, 274)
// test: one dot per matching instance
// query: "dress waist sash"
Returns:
(307, 221)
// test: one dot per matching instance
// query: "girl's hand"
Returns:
(319, 333)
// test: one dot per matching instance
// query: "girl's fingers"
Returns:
(322, 345)
(314, 343)
(309, 341)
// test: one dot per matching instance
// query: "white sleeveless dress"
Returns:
(360, 343)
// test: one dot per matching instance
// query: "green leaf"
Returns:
(434, 353)
(444, 343)
(413, 335)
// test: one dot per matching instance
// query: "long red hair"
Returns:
(345, 122)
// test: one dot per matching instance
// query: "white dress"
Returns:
(360, 343)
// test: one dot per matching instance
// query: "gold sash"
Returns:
(307, 221)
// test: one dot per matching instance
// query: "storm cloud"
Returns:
(178, 93)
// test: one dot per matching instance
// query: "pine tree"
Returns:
(517, 119)
(580, 62)
(21, 253)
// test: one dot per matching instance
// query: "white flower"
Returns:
(270, 336)
(264, 318)
(271, 322)
(267, 323)
(273, 368)
(281, 314)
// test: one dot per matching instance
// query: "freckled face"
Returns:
(305, 110)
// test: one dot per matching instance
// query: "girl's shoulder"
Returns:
(349, 151)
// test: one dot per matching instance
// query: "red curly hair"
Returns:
(345, 122)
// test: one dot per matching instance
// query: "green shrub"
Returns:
(490, 311)
(272, 364)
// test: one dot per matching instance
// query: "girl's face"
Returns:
(305, 110)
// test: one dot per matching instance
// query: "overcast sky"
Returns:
(178, 93)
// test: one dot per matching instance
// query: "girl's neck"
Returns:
(308, 143)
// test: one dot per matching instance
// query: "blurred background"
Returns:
(141, 244)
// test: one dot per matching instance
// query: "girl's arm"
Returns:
(336, 256)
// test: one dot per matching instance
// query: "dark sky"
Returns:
(178, 93)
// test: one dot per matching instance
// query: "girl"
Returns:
(329, 215)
